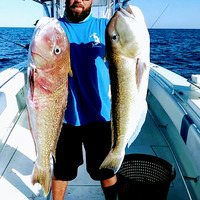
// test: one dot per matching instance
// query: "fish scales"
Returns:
(127, 51)
(123, 99)
(49, 66)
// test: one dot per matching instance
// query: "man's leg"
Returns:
(109, 187)
(68, 159)
(58, 189)
(97, 142)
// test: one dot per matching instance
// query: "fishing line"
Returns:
(26, 47)
(159, 16)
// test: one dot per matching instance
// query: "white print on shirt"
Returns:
(96, 40)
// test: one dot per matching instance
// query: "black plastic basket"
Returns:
(144, 177)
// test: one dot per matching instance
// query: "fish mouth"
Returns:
(126, 13)
(121, 16)
(38, 59)
(38, 54)
(41, 62)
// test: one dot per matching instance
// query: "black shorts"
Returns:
(96, 138)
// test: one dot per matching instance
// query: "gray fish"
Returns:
(127, 51)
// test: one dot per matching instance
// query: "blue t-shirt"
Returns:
(88, 99)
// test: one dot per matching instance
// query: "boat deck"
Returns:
(17, 158)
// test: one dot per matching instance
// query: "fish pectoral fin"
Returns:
(113, 161)
(70, 72)
(140, 68)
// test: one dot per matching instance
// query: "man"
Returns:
(87, 116)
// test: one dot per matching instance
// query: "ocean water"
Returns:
(11, 54)
(175, 49)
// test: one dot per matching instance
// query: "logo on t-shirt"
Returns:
(96, 42)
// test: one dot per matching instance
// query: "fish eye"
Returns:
(114, 37)
(57, 50)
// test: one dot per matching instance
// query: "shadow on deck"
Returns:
(17, 159)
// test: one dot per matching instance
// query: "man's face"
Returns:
(78, 10)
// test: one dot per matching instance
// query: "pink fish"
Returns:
(49, 66)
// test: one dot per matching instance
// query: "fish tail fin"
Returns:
(112, 161)
(43, 176)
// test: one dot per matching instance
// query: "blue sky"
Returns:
(179, 13)
(19, 13)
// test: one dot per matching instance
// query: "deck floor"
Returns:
(17, 159)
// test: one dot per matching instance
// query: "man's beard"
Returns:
(77, 16)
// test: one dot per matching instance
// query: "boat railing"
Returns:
(6, 76)
(186, 93)
(13, 94)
